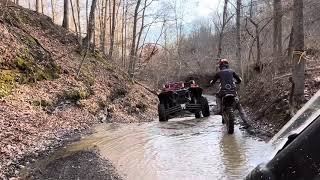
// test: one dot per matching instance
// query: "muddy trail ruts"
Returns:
(183, 148)
(85, 165)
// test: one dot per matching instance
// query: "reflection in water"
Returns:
(179, 149)
(233, 155)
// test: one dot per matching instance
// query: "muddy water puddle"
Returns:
(183, 149)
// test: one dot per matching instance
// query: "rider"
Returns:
(227, 83)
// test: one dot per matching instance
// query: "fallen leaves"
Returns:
(27, 128)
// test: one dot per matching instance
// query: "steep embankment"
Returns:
(42, 100)
(267, 98)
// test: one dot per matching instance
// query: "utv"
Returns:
(179, 97)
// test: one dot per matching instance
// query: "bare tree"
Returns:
(42, 7)
(79, 22)
(224, 23)
(256, 38)
(74, 17)
(87, 12)
(104, 26)
(133, 43)
(298, 54)
(124, 33)
(113, 28)
(90, 28)
(53, 14)
(65, 22)
(38, 5)
(277, 29)
(90, 32)
(238, 34)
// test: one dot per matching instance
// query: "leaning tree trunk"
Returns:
(65, 22)
(298, 71)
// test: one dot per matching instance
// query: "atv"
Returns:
(177, 98)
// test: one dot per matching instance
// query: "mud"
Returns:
(86, 164)
(183, 148)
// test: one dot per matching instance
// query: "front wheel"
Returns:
(162, 113)
(230, 120)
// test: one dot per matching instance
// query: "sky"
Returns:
(205, 8)
(192, 11)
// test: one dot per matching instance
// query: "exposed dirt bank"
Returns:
(266, 98)
(42, 101)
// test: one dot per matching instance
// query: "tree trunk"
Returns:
(133, 43)
(125, 36)
(87, 13)
(224, 21)
(122, 34)
(298, 71)
(53, 11)
(38, 5)
(79, 23)
(113, 28)
(74, 17)
(93, 48)
(277, 30)
(238, 38)
(142, 26)
(258, 48)
(101, 24)
(290, 45)
(65, 22)
(90, 28)
(104, 30)
(42, 7)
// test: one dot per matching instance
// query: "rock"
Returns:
(105, 116)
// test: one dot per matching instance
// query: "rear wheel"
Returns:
(205, 107)
(230, 121)
(223, 119)
(162, 113)
(198, 113)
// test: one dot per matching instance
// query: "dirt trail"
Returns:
(183, 148)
